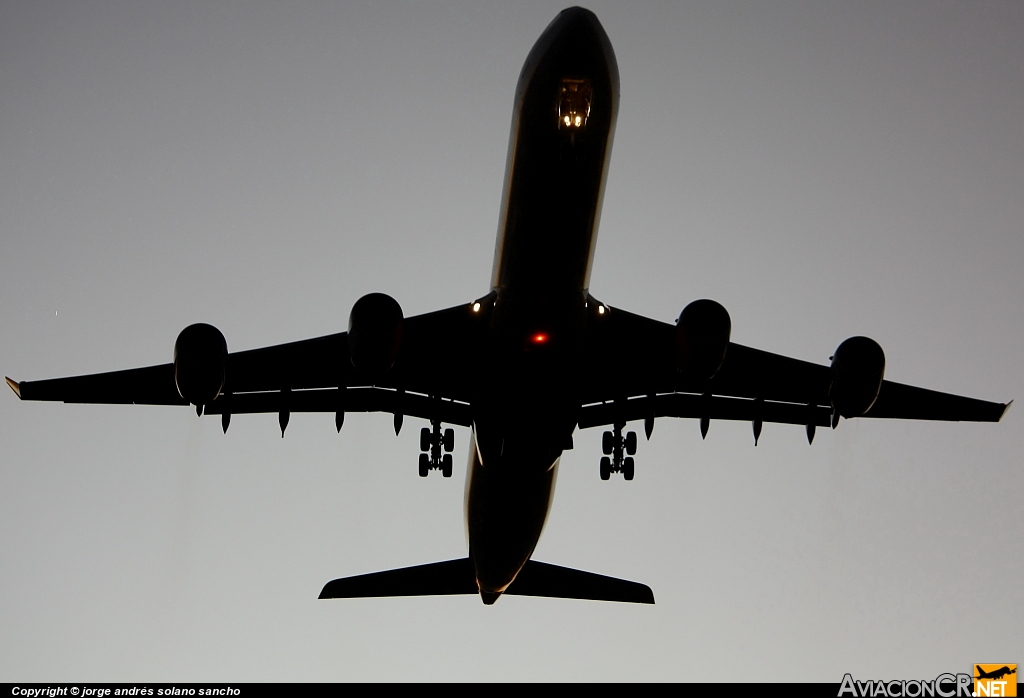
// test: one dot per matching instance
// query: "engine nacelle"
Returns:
(702, 337)
(374, 334)
(200, 358)
(857, 370)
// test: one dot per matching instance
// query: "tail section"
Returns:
(458, 577)
(435, 579)
(542, 579)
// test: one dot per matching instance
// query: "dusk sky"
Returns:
(821, 169)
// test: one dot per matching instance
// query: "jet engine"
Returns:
(857, 369)
(374, 334)
(702, 337)
(200, 358)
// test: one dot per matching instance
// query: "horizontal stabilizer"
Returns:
(435, 579)
(542, 579)
(458, 577)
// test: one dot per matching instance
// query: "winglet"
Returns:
(15, 386)
(1006, 407)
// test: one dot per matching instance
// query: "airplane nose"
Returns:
(574, 43)
(576, 25)
(577, 15)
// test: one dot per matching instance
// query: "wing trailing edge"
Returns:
(453, 577)
(693, 406)
(895, 401)
(154, 385)
(361, 399)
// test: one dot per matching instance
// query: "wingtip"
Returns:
(15, 386)
(1006, 407)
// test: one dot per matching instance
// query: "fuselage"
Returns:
(528, 398)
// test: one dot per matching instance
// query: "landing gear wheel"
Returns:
(606, 467)
(446, 465)
(424, 464)
(449, 440)
(627, 468)
(607, 443)
(631, 443)
(424, 439)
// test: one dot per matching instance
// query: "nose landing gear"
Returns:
(615, 448)
(432, 441)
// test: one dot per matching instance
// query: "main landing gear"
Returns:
(432, 440)
(615, 446)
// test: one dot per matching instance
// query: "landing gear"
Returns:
(432, 441)
(615, 445)
(631, 444)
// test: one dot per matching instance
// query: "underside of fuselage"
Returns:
(528, 389)
(505, 512)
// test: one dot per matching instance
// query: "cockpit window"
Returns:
(574, 103)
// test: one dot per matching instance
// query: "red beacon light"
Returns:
(539, 338)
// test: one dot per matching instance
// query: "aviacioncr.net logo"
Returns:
(942, 686)
(995, 680)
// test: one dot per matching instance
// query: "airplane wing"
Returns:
(631, 374)
(431, 377)
(628, 364)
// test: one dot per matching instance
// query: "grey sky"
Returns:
(821, 169)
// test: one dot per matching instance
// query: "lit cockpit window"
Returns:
(574, 103)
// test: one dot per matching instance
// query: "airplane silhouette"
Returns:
(529, 362)
(997, 674)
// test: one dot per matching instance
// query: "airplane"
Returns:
(531, 361)
(995, 674)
